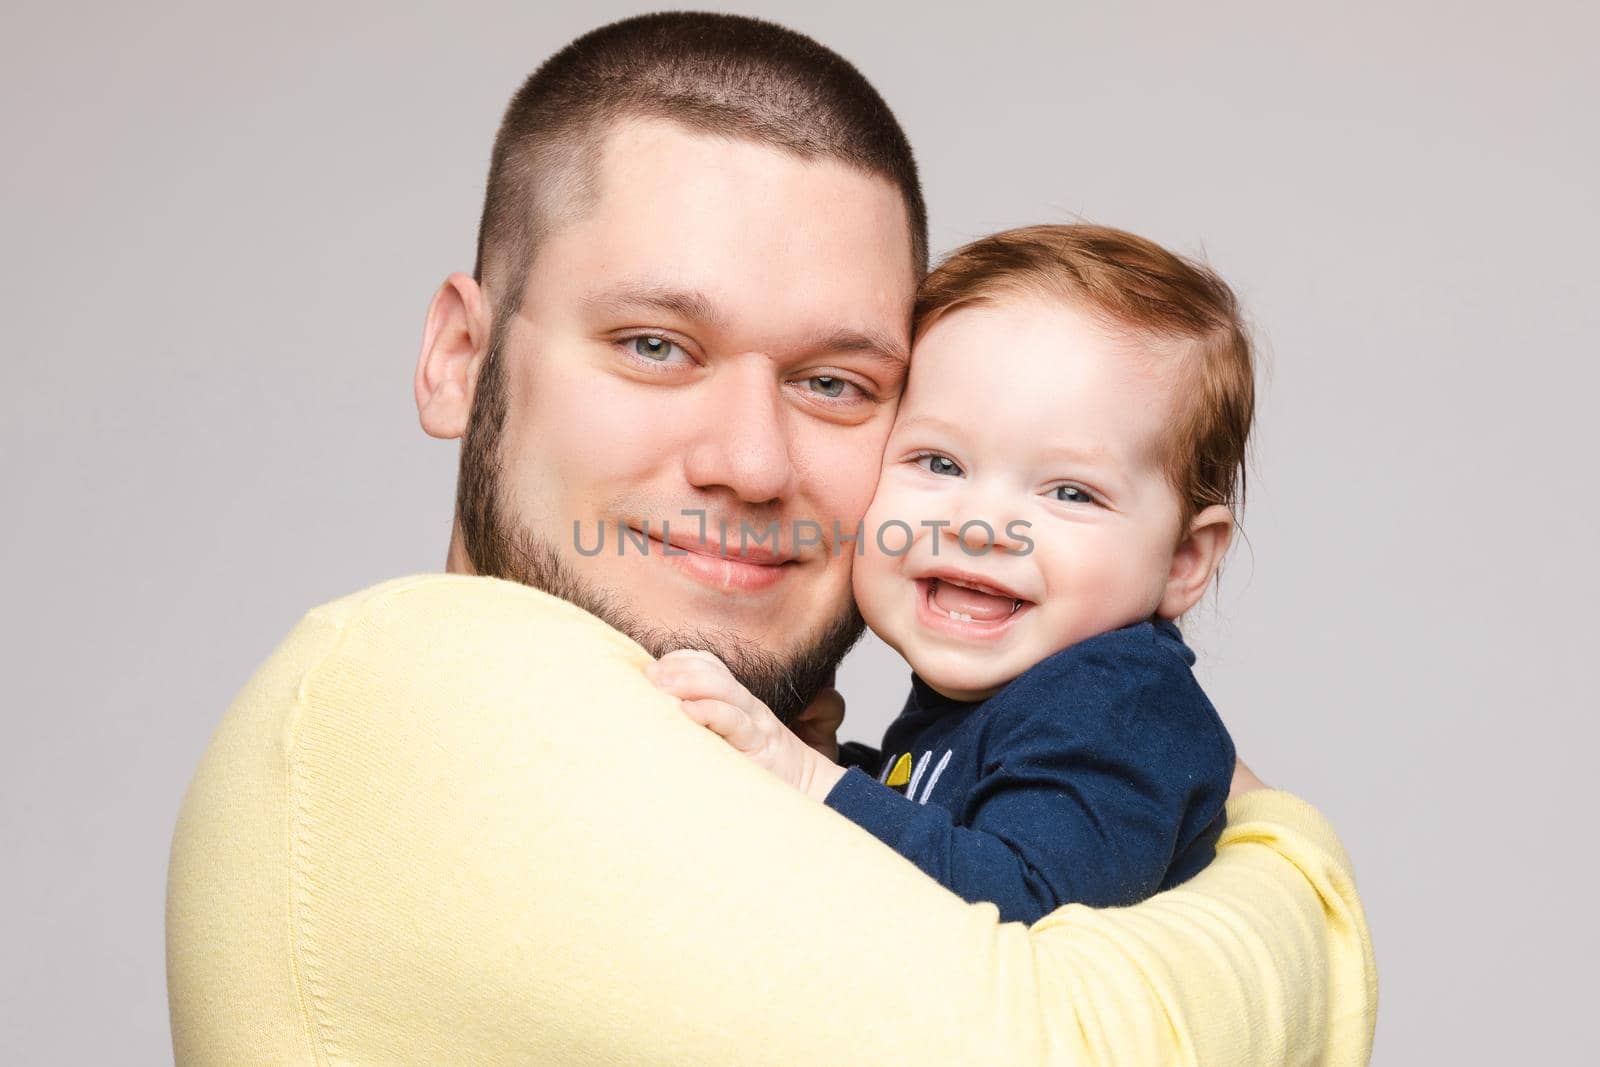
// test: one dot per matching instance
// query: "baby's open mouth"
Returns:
(970, 601)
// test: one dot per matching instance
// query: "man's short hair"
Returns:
(725, 75)
(1160, 299)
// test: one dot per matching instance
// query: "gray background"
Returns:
(221, 226)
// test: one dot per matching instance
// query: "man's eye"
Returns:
(937, 464)
(1072, 494)
(825, 385)
(655, 349)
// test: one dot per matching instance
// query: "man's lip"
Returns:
(967, 579)
(747, 553)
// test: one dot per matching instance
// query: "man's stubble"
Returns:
(500, 546)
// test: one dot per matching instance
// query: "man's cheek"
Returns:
(839, 465)
(851, 490)
(634, 437)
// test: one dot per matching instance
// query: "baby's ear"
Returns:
(1197, 558)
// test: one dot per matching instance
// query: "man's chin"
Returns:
(784, 669)
(651, 617)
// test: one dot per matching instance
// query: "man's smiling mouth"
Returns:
(728, 570)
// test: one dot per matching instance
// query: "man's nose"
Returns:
(743, 441)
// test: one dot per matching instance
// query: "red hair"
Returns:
(1155, 296)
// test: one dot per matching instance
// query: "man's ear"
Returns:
(1198, 556)
(454, 341)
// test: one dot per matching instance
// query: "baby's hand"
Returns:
(713, 697)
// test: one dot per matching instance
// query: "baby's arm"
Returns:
(711, 696)
(1081, 796)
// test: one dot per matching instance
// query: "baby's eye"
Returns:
(654, 349)
(934, 463)
(1072, 494)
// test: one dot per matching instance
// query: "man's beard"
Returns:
(500, 547)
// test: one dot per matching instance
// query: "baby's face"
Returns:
(1024, 414)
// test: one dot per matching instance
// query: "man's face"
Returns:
(724, 330)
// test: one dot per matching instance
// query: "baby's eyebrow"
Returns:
(1097, 456)
(929, 422)
(1088, 454)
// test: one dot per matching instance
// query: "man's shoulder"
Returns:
(454, 606)
(445, 660)
(415, 652)
(452, 592)
(443, 639)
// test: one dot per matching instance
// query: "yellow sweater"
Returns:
(449, 822)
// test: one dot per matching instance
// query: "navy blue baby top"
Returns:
(1098, 776)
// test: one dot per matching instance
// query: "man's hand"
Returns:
(818, 724)
(1244, 780)
(712, 696)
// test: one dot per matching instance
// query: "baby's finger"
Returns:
(685, 659)
(689, 658)
(663, 666)
(697, 679)
(693, 653)
(721, 718)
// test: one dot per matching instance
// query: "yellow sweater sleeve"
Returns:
(449, 821)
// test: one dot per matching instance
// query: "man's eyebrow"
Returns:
(875, 344)
(689, 304)
(694, 306)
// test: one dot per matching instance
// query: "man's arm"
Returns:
(504, 845)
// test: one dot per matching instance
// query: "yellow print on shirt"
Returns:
(901, 771)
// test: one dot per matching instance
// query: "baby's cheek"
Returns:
(1125, 581)
(871, 578)
(1089, 578)
(874, 539)
(882, 590)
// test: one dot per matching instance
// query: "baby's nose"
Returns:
(977, 535)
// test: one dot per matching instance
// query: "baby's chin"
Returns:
(951, 677)
(967, 675)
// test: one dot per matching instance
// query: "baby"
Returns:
(1058, 487)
